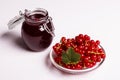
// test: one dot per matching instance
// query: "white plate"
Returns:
(70, 70)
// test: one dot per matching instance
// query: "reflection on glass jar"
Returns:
(37, 28)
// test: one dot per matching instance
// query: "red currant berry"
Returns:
(67, 66)
(73, 39)
(80, 51)
(94, 63)
(100, 50)
(76, 38)
(92, 42)
(88, 64)
(81, 47)
(87, 54)
(82, 55)
(98, 58)
(57, 44)
(86, 58)
(94, 50)
(97, 42)
(103, 56)
(60, 49)
(80, 41)
(69, 40)
(81, 36)
(86, 37)
(68, 45)
(58, 52)
(91, 48)
(54, 47)
(93, 57)
(78, 66)
(63, 39)
(76, 49)
(72, 67)
(86, 48)
(57, 59)
(91, 65)
(83, 51)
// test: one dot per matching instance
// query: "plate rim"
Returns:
(75, 71)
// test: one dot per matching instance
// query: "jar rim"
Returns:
(40, 11)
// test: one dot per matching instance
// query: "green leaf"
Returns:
(65, 58)
(70, 56)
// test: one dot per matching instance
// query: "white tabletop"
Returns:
(100, 19)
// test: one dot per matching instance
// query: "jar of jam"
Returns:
(37, 28)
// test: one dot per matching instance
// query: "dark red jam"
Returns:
(34, 34)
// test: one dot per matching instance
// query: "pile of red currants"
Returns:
(78, 53)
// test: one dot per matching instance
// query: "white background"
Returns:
(100, 19)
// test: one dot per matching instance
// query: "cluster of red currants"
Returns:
(90, 51)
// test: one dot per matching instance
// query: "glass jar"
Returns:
(37, 28)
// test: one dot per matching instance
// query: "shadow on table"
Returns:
(14, 39)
